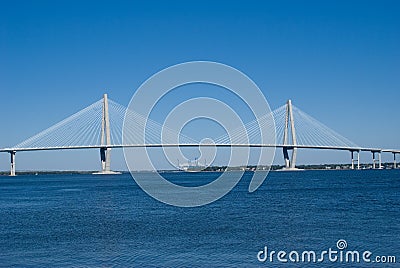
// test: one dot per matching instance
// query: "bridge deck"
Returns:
(355, 149)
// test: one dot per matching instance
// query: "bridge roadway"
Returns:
(288, 146)
(285, 147)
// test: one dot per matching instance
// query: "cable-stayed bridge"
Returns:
(101, 126)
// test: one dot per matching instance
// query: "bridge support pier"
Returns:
(294, 157)
(286, 157)
(373, 161)
(380, 160)
(105, 158)
(12, 169)
(289, 163)
(377, 161)
(353, 161)
(394, 161)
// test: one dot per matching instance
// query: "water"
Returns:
(88, 220)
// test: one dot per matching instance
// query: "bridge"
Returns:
(100, 126)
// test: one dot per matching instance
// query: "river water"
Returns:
(93, 220)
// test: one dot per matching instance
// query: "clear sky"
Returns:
(337, 60)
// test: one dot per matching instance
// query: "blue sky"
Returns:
(337, 60)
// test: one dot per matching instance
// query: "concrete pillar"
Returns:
(289, 119)
(352, 159)
(394, 161)
(355, 160)
(294, 158)
(286, 157)
(294, 138)
(380, 159)
(12, 169)
(103, 159)
(373, 160)
(286, 130)
(108, 135)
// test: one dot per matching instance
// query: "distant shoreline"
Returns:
(209, 169)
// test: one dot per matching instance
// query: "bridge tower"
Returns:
(289, 122)
(105, 152)
(105, 139)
